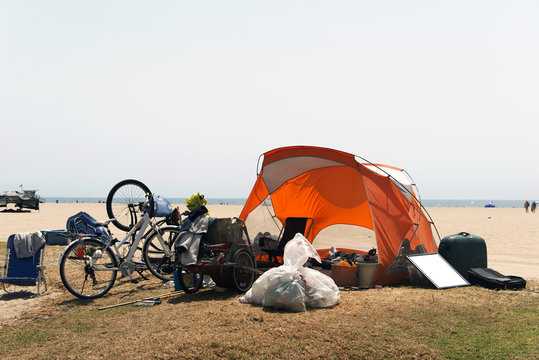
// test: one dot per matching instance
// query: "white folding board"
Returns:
(437, 270)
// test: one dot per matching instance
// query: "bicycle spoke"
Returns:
(123, 203)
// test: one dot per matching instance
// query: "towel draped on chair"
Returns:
(27, 244)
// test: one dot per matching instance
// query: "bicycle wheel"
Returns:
(87, 269)
(242, 277)
(124, 203)
(190, 281)
(153, 254)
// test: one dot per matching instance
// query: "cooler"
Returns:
(56, 237)
(464, 251)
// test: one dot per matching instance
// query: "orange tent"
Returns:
(331, 187)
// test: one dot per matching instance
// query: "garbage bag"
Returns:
(321, 290)
(292, 286)
(257, 292)
(285, 289)
(298, 250)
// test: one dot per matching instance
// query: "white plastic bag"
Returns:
(292, 286)
(257, 292)
(321, 290)
(285, 289)
(298, 250)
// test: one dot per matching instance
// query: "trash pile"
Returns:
(292, 286)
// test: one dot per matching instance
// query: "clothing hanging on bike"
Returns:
(189, 241)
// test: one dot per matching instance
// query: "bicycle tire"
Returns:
(190, 281)
(79, 277)
(123, 203)
(154, 256)
(243, 279)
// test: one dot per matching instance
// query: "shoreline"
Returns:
(511, 234)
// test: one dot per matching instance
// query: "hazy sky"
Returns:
(185, 95)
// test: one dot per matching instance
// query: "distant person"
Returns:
(533, 206)
(526, 205)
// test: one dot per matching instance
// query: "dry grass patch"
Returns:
(391, 323)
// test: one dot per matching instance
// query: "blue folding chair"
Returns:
(22, 272)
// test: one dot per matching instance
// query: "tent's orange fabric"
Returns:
(331, 187)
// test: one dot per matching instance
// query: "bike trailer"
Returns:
(492, 279)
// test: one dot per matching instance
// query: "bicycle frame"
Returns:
(140, 230)
(140, 226)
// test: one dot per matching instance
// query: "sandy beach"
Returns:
(511, 235)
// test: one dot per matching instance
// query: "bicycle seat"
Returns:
(104, 223)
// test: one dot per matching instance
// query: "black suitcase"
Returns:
(492, 279)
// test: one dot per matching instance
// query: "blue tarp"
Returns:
(85, 224)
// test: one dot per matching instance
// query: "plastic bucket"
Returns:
(366, 271)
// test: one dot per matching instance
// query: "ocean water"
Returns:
(241, 201)
(473, 203)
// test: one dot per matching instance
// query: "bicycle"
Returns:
(89, 265)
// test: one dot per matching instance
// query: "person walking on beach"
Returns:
(533, 206)
(526, 205)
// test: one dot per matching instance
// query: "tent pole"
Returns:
(411, 194)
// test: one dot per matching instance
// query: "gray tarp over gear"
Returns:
(26, 199)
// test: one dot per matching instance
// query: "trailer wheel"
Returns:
(242, 277)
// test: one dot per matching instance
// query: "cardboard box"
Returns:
(344, 275)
